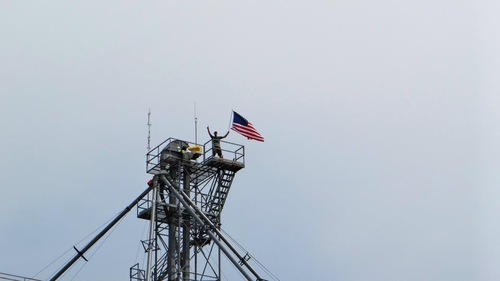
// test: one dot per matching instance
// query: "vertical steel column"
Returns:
(186, 262)
(172, 231)
(152, 231)
(219, 252)
(195, 247)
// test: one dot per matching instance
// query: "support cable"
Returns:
(274, 277)
(139, 246)
(69, 249)
(78, 272)
(100, 235)
(225, 277)
(251, 256)
(96, 250)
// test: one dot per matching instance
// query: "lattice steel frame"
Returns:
(181, 248)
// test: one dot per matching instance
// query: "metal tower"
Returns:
(189, 190)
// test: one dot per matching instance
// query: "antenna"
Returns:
(149, 130)
(195, 125)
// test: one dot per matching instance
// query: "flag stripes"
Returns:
(245, 128)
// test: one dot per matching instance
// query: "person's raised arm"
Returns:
(226, 134)
(210, 134)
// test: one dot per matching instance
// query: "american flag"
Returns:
(245, 128)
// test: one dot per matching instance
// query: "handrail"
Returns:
(6, 276)
(237, 151)
(231, 151)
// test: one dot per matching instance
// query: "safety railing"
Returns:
(11, 277)
(230, 151)
(173, 149)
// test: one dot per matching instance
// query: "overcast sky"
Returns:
(381, 121)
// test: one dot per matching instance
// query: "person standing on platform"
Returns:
(216, 148)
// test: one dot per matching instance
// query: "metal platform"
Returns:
(224, 164)
(171, 152)
(165, 212)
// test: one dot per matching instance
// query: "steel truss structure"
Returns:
(189, 189)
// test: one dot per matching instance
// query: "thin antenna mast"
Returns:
(195, 125)
(149, 130)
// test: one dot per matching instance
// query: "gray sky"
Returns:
(380, 119)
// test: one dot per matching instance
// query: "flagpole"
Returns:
(149, 130)
(230, 119)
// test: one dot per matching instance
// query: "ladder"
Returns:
(225, 179)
